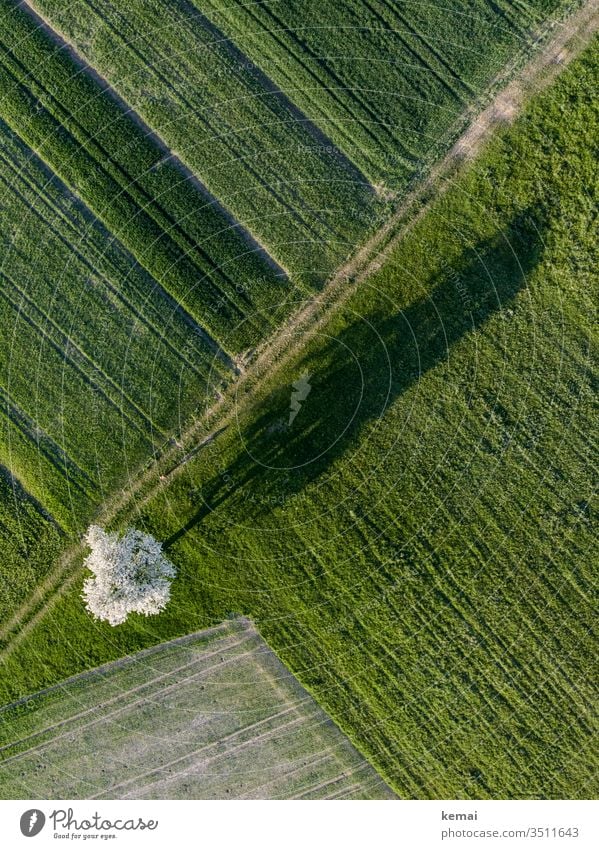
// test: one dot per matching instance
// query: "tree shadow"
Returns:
(353, 378)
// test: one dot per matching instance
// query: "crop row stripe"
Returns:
(291, 45)
(117, 110)
(149, 132)
(224, 131)
(130, 188)
(395, 12)
(23, 102)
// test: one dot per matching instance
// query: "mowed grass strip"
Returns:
(176, 232)
(417, 546)
(215, 715)
(245, 138)
(386, 81)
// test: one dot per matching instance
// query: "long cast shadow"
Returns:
(357, 375)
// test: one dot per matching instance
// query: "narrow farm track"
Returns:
(65, 45)
(575, 32)
(554, 51)
(89, 335)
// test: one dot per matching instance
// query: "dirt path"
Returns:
(279, 349)
(512, 89)
(556, 46)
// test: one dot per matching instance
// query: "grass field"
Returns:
(291, 113)
(387, 82)
(124, 286)
(129, 287)
(213, 716)
(29, 543)
(416, 547)
(177, 232)
(246, 141)
(98, 364)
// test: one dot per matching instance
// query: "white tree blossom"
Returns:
(131, 575)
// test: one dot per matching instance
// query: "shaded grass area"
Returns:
(29, 542)
(417, 546)
(367, 365)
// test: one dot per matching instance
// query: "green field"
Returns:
(29, 542)
(98, 364)
(388, 82)
(212, 716)
(416, 547)
(177, 232)
(147, 199)
(248, 142)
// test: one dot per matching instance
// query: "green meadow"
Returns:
(416, 544)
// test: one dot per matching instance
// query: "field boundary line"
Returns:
(277, 350)
(228, 634)
(247, 626)
(574, 33)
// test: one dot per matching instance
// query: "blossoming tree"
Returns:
(131, 575)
